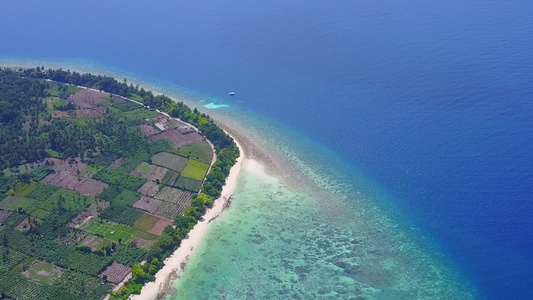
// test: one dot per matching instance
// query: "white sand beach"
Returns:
(175, 263)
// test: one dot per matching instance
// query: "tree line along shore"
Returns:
(97, 191)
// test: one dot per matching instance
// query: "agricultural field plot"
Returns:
(160, 146)
(121, 214)
(110, 193)
(148, 130)
(139, 114)
(53, 103)
(170, 161)
(27, 223)
(42, 272)
(69, 200)
(84, 186)
(72, 166)
(144, 169)
(70, 239)
(60, 114)
(88, 98)
(13, 203)
(92, 241)
(10, 258)
(146, 222)
(195, 170)
(4, 214)
(160, 226)
(115, 273)
(189, 184)
(111, 230)
(148, 204)
(200, 151)
(6, 182)
(120, 178)
(177, 138)
(90, 112)
(116, 163)
(168, 176)
(43, 192)
(170, 210)
(126, 198)
(124, 106)
(87, 263)
(150, 188)
(80, 219)
(173, 195)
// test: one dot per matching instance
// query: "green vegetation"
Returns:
(29, 132)
(111, 230)
(168, 176)
(43, 272)
(87, 263)
(121, 214)
(119, 178)
(200, 151)
(195, 170)
(111, 193)
(43, 192)
(126, 198)
(189, 184)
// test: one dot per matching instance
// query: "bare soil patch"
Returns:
(26, 224)
(84, 186)
(4, 214)
(71, 166)
(88, 98)
(148, 130)
(148, 204)
(116, 163)
(160, 226)
(115, 273)
(81, 218)
(60, 114)
(150, 188)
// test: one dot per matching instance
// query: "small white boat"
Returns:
(231, 94)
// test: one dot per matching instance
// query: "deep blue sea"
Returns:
(432, 101)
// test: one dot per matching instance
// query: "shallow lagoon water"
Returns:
(278, 243)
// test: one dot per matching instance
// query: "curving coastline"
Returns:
(176, 262)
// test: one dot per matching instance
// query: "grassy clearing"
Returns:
(146, 222)
(43, 272)
(111, 230)
(139, 114)
(53, 153)
(195, 170)
(145, 168)
(24, 189)
(200, 151)
(54, 102)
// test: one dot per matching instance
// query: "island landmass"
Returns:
(100, 182)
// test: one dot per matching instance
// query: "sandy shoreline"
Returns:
(175, 263)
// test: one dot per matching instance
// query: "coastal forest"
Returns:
(100, 181)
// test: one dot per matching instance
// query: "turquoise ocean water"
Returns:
(400, 133)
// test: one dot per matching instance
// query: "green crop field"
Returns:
(200, 151)
(43, 192)
(170, 161)
(69, 199)
(122, 179)
(195, 170)
(111, 230)
(189, 184)
(43, 272)
(139, 114)
(126, 198)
